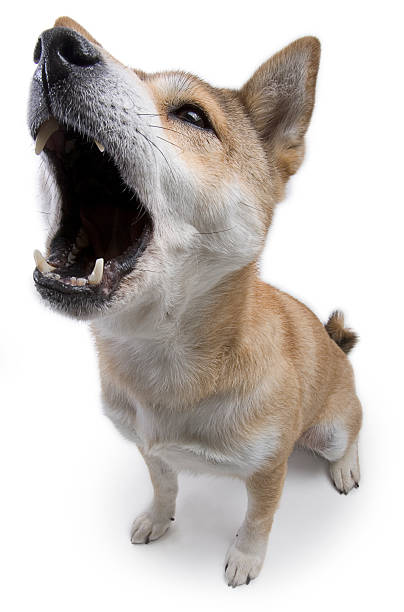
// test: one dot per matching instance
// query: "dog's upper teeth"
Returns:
(49, 127)
(45, 132)
(100, 146)
(95, 277)
(41, 263)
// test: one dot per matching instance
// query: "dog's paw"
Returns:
(149, 526)
(240, 568)
(345, 472)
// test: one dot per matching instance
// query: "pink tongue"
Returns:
(56, 142)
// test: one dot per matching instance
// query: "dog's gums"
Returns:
(103, 228)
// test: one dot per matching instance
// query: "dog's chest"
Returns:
(207, 438)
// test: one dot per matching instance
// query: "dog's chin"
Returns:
(103, 229)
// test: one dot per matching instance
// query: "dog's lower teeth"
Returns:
(41, 263)
(95, 277)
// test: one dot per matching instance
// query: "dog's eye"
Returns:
(192, 114)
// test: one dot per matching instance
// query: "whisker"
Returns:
(169, 142)
(248, 206)
(140, 215)
(162, 127)
(214, 232)
(158, 149)
(151, 115)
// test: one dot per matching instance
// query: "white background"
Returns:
(70, 485)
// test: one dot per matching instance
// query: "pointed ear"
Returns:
(279, 99)
(67, 22)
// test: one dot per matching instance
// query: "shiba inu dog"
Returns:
(163, 190)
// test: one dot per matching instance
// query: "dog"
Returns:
(162, 192)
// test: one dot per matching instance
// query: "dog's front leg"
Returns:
(152, 524)
(246, 555)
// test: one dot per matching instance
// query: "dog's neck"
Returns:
(158, 354)
(184, 308)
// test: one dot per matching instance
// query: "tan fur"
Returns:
(246, 341)
(67, 22)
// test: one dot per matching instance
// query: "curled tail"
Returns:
(344, 337)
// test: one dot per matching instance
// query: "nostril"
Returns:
(63, 53)
(38, 51)
(77, 52)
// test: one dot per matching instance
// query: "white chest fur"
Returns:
(205, 438)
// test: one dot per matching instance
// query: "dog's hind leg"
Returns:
(153, 523)
(345, 472)
(335, 437)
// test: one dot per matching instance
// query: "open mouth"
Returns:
(104, 228)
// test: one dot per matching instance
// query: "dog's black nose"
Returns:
(61, 51)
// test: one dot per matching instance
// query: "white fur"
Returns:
(345, 471)
(329, 439)
(152, 524)
(203, 439)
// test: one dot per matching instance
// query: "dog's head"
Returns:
(161, 184)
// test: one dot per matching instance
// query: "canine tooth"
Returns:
(41, 263)
(95, 277)
(100, 146)
(45, 132)
(81, 282)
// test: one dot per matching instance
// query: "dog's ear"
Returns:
(67, 22)
(279, 99)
